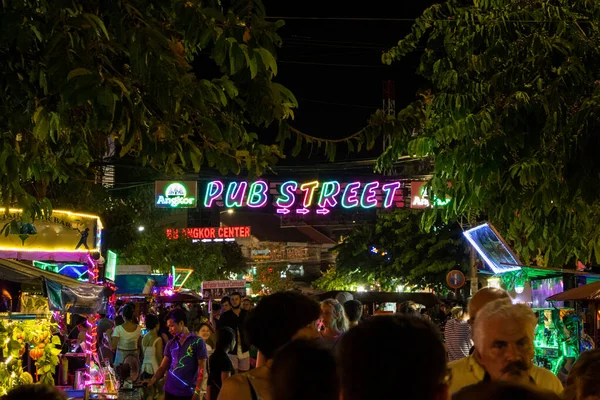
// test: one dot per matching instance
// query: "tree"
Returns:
(81, 76)
(268, 280)
(510, 120)
(209, 261)
(396, 252)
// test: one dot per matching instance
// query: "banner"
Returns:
(63, 231)
(84, 299)
(219, 289)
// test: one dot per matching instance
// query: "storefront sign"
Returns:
(302, 198)
(223, 233)
(419, 197)
(61, 232)
(181, 194)
(219, 289)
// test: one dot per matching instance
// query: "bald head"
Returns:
(483, 297)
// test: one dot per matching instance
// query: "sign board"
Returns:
(302, 198)
(134, 270)
(492, 249)
(175, 194)
(110, 270)
(420, 199)
(61, 232)
(219, 289)
(223, 233)
(455, 279)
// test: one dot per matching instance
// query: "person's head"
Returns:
(279, 318)
(299, 363)
(225, 304)
(152, 323)
(583, 382)
(236, 300)
(503, 391)
(408, 307)
(503, 336)
(354, 310)
(483, 297)
(225, 339)
(407, 352)
(119, 320)
(127, 312)
(177, 321)
(205, 331)
(34, 391)
(247, 304)
(459, 313)
(333, 315)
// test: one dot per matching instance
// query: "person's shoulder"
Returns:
(234, 387)
(545, 379)
(461, 364)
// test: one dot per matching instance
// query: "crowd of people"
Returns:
(327, 351)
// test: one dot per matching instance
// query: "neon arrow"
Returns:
(323, 211)
(283, 211)
(302, 211)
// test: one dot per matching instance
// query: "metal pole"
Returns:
(473, 265)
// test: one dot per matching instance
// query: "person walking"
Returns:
(458, 335)
(235, 319)
(219, 363)
(126, 337)
(184, 361)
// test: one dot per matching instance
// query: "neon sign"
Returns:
(319, 197)
(222, 233)
(420, 198)
(175, 194)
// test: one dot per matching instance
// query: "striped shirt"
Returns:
(458, 339)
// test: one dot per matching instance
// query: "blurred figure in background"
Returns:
(206, 332)
(247, 304)
(458, 335)
(304, 369)
(126, 338)
(583, 382)
(393, 357)
(275, 321)
(34, 391)
(335, 322)
(503, 391)
(354, 311)
(219, 363)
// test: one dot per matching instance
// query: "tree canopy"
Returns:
(510, 120)
(394, 252)
(81, 77)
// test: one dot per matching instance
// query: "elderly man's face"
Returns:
(507, 350)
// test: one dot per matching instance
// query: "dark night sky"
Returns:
(337, 100)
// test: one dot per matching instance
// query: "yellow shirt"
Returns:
(467, 372)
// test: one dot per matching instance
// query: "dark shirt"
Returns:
(217, 363)
(237, 324)
(183, 371)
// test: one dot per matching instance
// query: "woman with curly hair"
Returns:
(334, 322)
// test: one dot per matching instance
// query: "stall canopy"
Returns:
(586, 292)
(65, 294)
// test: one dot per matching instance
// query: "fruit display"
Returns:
(18, 336)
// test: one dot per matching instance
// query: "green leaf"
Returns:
(41, 127)
(56, 340)
(78, 72)
(98, 23)
(267, 59)
(36, 32)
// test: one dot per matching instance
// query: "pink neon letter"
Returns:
(368, 199)
(235, 194)
(350, 196)
(257, 196)
(329, 192)
(214, 190)
(390, 192)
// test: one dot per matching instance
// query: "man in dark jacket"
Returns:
(236, 320)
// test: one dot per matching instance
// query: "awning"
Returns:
(15, 271)
(586, 292)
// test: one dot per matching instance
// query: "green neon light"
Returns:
(178, 276)
(46, 266)
(175, 196)
(111, 265)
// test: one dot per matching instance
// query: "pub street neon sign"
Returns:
(304, 197)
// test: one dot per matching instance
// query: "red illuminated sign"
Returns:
(223, 233)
